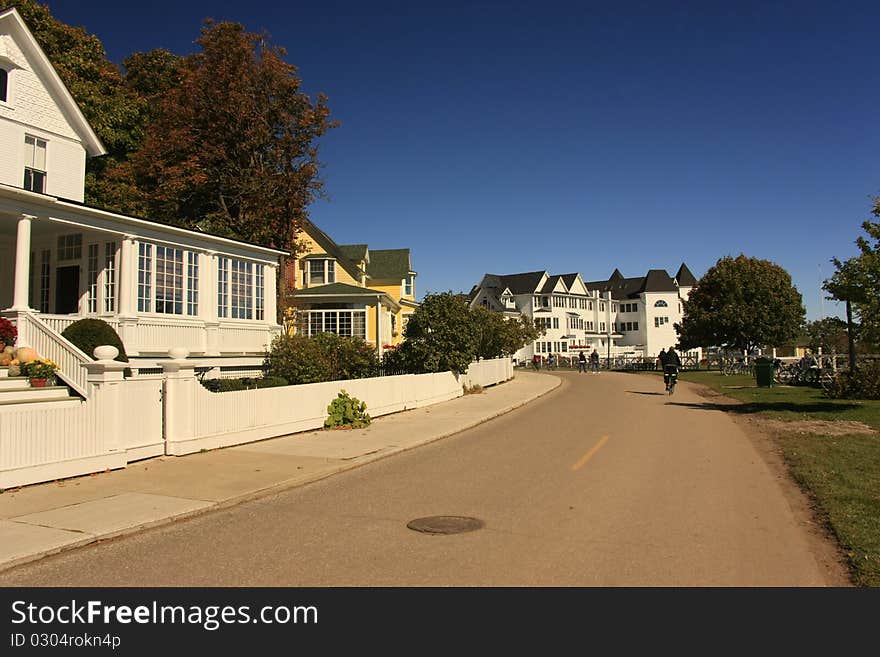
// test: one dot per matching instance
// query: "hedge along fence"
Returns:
(197, 419)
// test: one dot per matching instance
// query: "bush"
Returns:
(298, 359)
(346, 411)
(90, 333)
(864, 383)
(348, 358)
(324, 357)
(8, 333)
(244, 383)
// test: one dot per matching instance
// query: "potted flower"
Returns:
(7, 333)
(39, 371)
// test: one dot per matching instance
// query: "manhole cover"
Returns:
(445, 524)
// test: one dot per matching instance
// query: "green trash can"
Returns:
(764, 372)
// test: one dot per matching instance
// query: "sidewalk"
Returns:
(39, 520)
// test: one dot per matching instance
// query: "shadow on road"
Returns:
(639, 392)
(758, 407)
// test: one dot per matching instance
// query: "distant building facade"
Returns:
(618, 316)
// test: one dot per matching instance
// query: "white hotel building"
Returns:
(618, 316)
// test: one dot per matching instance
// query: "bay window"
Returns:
(240, 289)
(163, 282)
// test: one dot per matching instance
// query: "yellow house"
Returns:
(350, 289)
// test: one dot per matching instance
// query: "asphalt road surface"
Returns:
(604, 482)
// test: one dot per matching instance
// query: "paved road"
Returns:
(603, 482)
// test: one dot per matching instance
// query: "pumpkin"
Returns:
(25, 354)
(5, 359)
(14, 370)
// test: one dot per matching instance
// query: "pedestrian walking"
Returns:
(594, 361)
(551, 362)
(582, 363)
(661, 359)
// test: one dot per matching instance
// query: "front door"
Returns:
(67, 290)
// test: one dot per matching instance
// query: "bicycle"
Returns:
(670, 375)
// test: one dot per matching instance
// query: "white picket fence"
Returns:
(124, 420)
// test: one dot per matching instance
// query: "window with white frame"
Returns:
(34, 164)
(241, 289)
(223, 287)
(109, 277)
(661, 304)
(92, 279)
(166, 283)
(259, 291)
(602, 327)
(321, 271)
(660, 321)
(192, 283)
(409, 286)
(4, 85)
(169, 280)
(346, 323)
(145, 277)
(69, 247)
(556, 322)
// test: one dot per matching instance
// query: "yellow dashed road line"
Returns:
(586, 457)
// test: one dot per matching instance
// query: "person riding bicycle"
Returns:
(670, 366)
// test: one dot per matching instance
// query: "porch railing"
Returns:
(49, 343)
(60, 322)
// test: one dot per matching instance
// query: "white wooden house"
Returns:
(159, 286)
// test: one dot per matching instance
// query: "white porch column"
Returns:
(127, 299)
(378, 326)
(22, 263)
(270, 294)
(208, 287)
(127, 267)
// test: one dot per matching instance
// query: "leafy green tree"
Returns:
(741, 303)
(499, 336)
(857, 281)
(829, 334)
(440, 335)
(115, 112)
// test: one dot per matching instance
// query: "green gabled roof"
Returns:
(354, 252)
(389, 263)
(337, 288)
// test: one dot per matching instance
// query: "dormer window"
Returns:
(34, 164)
(409, 286)
(4, 85)
(321, 271)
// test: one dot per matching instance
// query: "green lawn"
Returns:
(841, 473)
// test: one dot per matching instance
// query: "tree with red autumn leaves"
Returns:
(231, 148)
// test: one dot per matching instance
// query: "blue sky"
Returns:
(573, 136)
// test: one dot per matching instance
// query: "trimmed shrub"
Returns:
(347, 411)
(89, 333)
(92, 332)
